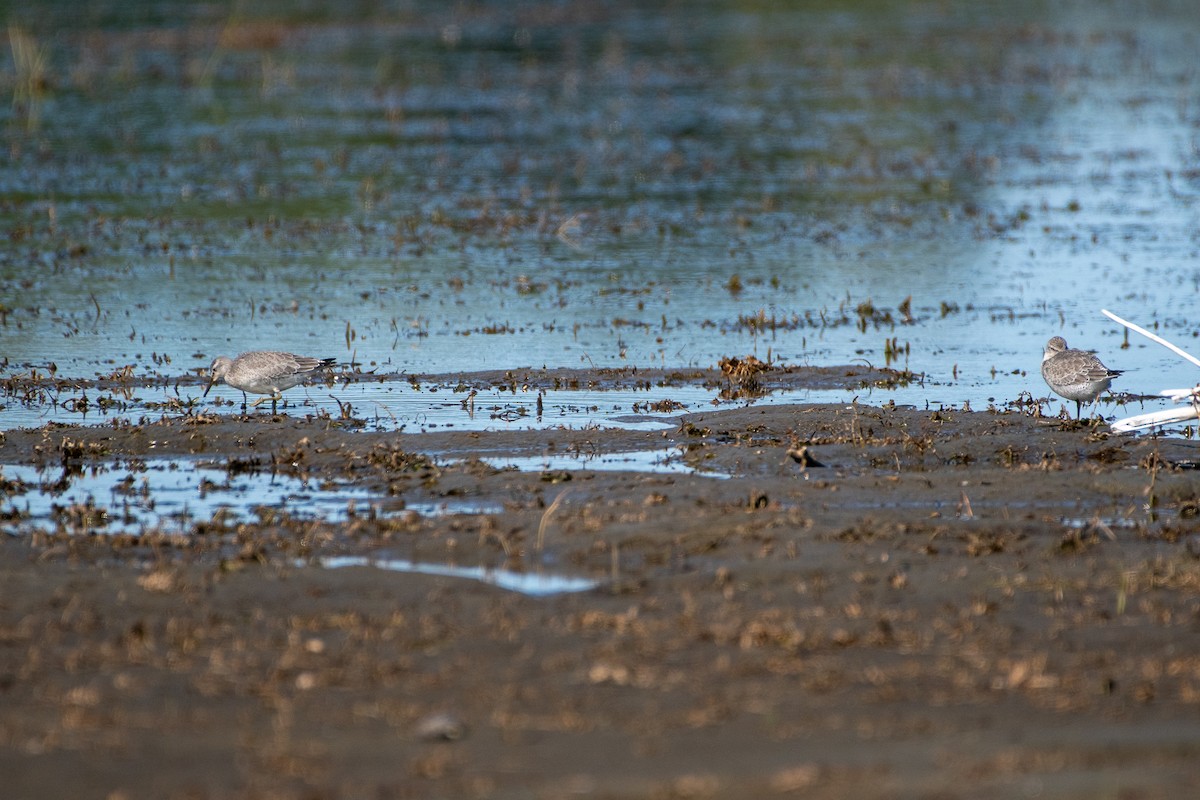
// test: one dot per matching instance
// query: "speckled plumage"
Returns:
(1075, 374)
(264, 372)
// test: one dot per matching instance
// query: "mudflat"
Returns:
(833, 600)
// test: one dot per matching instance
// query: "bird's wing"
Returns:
(306, 363)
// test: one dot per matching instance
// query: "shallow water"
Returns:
(396, 406)
(452, 188)
(173, 495)
(665, 461)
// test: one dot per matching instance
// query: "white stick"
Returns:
(1169, 416)
(1150, 335)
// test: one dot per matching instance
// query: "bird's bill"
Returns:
(208, 388)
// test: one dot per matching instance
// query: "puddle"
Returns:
(172, 495)
(1111, 523)
(658, 461)
(529, 583)
(163, 494)
(446, 508)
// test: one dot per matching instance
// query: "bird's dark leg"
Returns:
(245, 400)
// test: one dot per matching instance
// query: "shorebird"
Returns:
(1075, 374)
(264, 372)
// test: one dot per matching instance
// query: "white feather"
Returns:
(1168, 416)
(1178, 350)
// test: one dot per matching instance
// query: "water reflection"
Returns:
(667, 461)
(531, 583)
(396, 406)
(165, 494)
(445, 188)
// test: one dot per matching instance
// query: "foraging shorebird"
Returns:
(264, 372)
(1075, 374)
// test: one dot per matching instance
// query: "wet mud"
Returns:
(822, 600)
(416, 581)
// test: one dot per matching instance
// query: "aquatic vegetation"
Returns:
(395, 459)
(30, 85)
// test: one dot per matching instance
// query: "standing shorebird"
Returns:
(1075, 374)
(264, 372)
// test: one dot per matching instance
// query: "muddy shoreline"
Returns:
(745, 580)
(825, 600)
